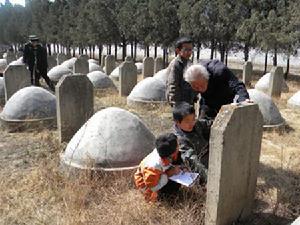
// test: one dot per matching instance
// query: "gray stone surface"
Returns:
(294, 101)
(235, 145)
(93, 61)
(86, 57)
(103, 61)
(10, 56)
(112, 139)
(162, 75)
(18, 62)
(52, 62)
(263, 84)
(15, 78)
(148, 67)
(3, 65)
(128, 59)
(30, 103)
(75, 103)
(149, 90)
(139, 67)
(115, 74)
(158, 64)
(276, 80)
(247, 73)
(61, 58)
(110, 64)
(69, 63)
(270, 112)
(128, 77)
(81, 66)
(94, 67)
(57, 72)
(2, 92)
(100, 80)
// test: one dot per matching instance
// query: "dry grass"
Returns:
(34, 191)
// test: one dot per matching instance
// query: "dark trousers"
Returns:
(170, 189)
(35, 78)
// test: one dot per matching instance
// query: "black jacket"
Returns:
(41, 57)
(222, 88)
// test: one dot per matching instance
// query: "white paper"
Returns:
(185, 178)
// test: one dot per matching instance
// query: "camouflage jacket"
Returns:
(194, 149)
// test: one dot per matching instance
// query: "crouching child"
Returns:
(152, 176)
(192, 145)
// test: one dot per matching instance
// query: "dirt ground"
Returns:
(33, 190)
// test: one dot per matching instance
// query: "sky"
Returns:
(20, 2)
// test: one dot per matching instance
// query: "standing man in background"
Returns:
(35, 56)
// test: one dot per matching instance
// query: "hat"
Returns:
(33, 38)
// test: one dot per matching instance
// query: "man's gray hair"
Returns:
(196, 72)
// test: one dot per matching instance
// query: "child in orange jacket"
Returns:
(152, 176)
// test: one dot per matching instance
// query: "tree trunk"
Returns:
(132, 49)
(198, 51)
(49, 49)
(212, 48)
(116, 51)
(226, 57)
(155, 51)
(124, 49)
(164, 57)
(246, 52)
(94, 48)
(135, 49)
(275, 57)
(222, 52)
(287, 68)
(266, 62)
(148, 51)
(54, 48)
(100, 53)
(90, 50)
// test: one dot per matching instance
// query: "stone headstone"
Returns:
(247, 73)
(10, 57)
(81, 66)
(15, 78)
(148, 68)
(52, 62)
(86, 57)
(103, 61)
(128, 59)
(3, 65)
(235, 145)
(2, 92)
(276, 80)
(1, 55)
(61, 58)
(158, 64)
(75, 102)
(127, 78)
(109, 64)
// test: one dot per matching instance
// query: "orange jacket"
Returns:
(150, 177)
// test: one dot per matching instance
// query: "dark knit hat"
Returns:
(166, 144)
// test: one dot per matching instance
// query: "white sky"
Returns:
(20, 2)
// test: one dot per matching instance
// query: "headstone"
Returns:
(148, 69)
(109, 64)
(247, 73)
(158, 64)
(15, 78)
(127, 78)
(103, 61)
(51, 62)
(276, 80)
(235, 145)
(81, 66)
(10, 57)
(1, 55)
(61, 58)
(75, 104)
(86, 57)
(128, 59)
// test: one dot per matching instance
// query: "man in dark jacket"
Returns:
(35, 56)
(218, 86)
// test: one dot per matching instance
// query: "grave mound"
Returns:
(263, 84)
(100, 80)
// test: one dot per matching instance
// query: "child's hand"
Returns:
(173, 171)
